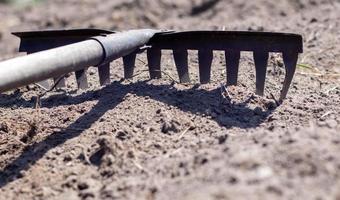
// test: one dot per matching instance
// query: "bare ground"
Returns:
(157, 139)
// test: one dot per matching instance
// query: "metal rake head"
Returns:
(205, 42)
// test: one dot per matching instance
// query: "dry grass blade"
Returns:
(326, 114)
(183, 133)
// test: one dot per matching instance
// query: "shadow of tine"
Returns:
(30, 155)
(192, 100)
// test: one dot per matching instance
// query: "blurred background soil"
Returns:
(158, 139)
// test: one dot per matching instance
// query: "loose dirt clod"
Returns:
(31, 133)
(4, 127)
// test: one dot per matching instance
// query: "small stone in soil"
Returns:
(271, 105)
(221, 139)
(67, 158)
(122, 135)
(168, 127)
(4, 127)
(83, 186)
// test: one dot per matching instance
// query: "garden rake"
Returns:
(55, 53)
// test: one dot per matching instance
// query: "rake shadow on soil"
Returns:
(193, 100)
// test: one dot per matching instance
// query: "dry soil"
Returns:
(158, 139)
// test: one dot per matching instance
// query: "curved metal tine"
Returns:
(129, 65)
(232, 65)
(81, 78)
(181, 61)
(61, 84)
(44, 84)
(261, 62)
(205, 60)
(154, 62)
(104, 74)
(290, 60)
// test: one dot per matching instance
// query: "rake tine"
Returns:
(104, 74)
(290, 60)
(232, 64)
(61, 84)
(261, 62)
(205, 60)
(44, 84)
(181, 61)
(81, 79)
(154, 62)
(129, 65)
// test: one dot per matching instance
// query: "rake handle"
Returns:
(56, 62)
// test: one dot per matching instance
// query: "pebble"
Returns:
(264, 172)
(4, 127)
(122, 135)
(332, 123)
(221, 139)
(169, 126)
